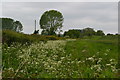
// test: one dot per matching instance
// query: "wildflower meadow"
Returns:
(70, 58)
(59, 40)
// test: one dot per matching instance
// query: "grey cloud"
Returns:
(99, 15)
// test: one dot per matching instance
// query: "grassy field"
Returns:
(71, 58)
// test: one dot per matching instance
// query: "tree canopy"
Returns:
(10, 24)
(73, 33)
(88, 31)
(77, 33)
(51, 21)
(100, 33)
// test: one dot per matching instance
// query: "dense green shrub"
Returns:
(9, 37)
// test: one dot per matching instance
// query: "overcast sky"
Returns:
(77, 15)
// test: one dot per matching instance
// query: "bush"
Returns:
(9, 37)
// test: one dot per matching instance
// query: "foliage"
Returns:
(10, 37)
(88, 32)
(10, 24)
(51, 21)
(80, 33)
(100, 33)
(73, 33)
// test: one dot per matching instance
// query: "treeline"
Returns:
(11, 24)
(80, 33)
(77, 33)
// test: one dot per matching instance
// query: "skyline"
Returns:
(97, 15)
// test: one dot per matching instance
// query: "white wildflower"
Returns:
(108, 64)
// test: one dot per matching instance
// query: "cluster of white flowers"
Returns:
(44, 55)
(90, 58)
(98, 66)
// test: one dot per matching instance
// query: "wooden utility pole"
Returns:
(35, 25)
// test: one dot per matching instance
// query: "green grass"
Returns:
(82, 49)
(85, 58)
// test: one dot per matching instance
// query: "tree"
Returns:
(51, 21)
(18, 26)
(88, 32)
(100, 33)
(10, 24)
(75, 33)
